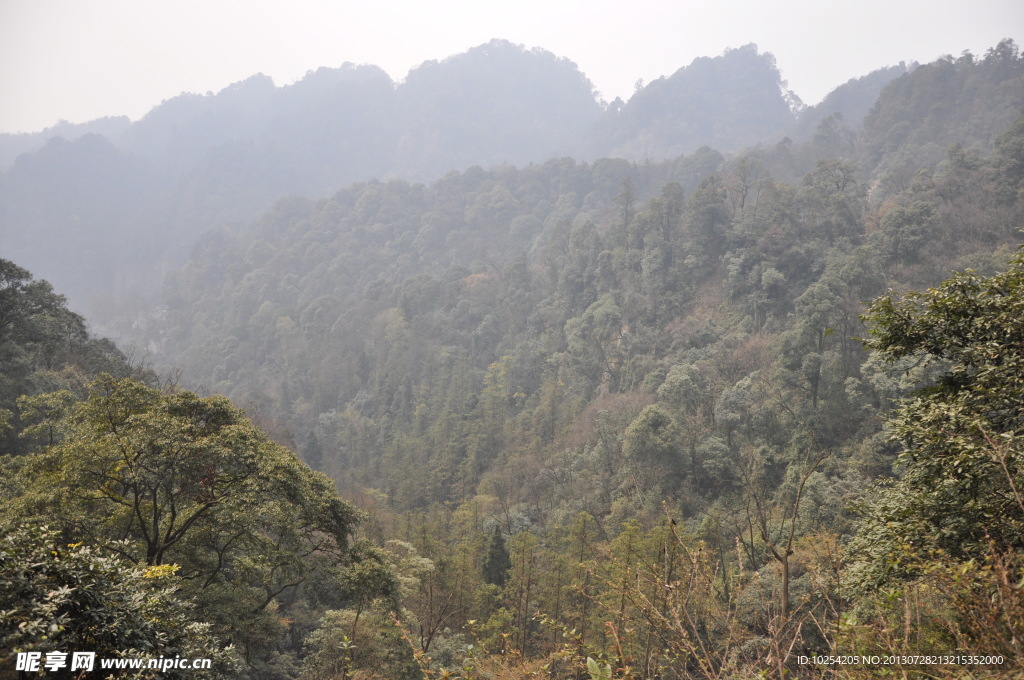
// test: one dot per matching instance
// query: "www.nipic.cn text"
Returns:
(38, 662)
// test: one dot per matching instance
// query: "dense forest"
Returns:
(686, 389)
(103, 210)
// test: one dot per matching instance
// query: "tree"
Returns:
(42, 343)
(651, 444)
(369, 591)
(960, 492)
(594, 341)
(56, 597)
(174, 479)
(38, 331)
(174, 473)
(936, 562)
(708, 212)
(497, 561)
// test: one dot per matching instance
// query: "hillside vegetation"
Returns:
(104, 209)
(591, 363)
(661, 416)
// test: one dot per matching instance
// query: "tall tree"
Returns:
(174, 479)
(497, 561)
(961, 483)
(43, 346)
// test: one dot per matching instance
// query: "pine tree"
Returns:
(497, 562)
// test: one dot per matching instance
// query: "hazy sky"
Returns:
(82, 59)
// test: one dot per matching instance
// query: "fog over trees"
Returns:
(476, 376)
(76, 200)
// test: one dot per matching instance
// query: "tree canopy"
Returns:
(173, 479)
(44, 346)
(180, 477)
(58, 597)
(961, 472)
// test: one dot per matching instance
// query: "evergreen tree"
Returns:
(962, 468)
(497, 562)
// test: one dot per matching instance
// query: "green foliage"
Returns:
(497, 561)
(43, 346)
(370, 578)
(166, 469)
(598, 671)
(352, 644)
(652, 444)
(962, 470)
(596, 360)
(60, 597)
(174, 479)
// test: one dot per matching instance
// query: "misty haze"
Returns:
(479, 374)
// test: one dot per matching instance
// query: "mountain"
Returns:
(849, 103)
(602, 416)
(968, 101)
(69, 210)
(81, 211)
(198, 161)
(728, 103)
(13, 145)
(494, 104)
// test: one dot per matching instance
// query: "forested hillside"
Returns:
(139, 519)
(674, 415)
(104, 209)
(45, 347)
(120, 204)
(849, 103)
(728, 103)
(576, 364)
